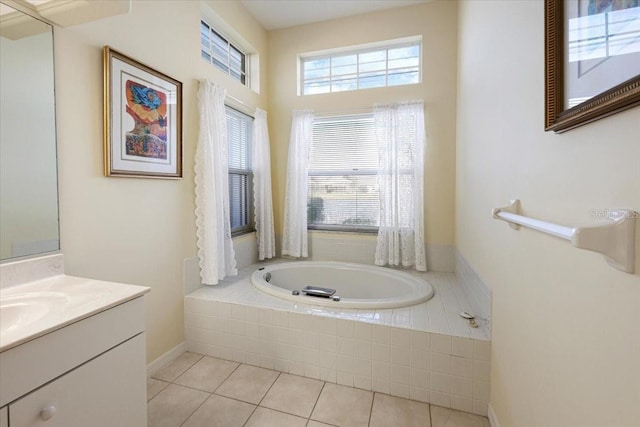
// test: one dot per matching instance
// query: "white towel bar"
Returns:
(615, 240)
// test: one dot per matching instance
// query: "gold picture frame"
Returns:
(560, 117)
(142, 120)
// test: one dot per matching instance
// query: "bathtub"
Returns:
(356, 285)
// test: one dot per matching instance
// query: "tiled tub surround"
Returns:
(474, 287)
(361, 248)
(424, 352)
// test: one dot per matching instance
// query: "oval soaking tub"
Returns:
(356, 285)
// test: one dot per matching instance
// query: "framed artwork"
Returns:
(592, 60)
(142, 120)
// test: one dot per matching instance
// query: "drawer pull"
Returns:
(47, 413)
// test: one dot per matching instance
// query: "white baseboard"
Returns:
(170, 355)
(493, 420)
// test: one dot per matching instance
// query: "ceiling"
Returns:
(277, 14)
(5, 9)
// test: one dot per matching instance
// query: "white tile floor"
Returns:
(196, 390)
(441, 314)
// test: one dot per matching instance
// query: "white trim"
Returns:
(493, 419)
(169, 356)
(365, 46)
(252, 57)
(214, 20)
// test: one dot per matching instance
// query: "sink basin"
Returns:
(32, 309)
(21, 310)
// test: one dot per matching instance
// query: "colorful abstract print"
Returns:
(148, 108)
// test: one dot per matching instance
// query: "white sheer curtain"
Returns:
(262, 205)
(294, 235)
(401, 139)
(215, 247)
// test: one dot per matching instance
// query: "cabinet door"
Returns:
(107, 391)
(4, 417)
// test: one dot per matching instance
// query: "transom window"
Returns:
(239, 136)
(390, 65)
(343, 165)
(218, 51)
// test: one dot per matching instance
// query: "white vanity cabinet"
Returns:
(89, 373)
(102, 392)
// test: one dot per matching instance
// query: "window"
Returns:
(239, 134)
(390, 65)
(218, 51)
(343, 166)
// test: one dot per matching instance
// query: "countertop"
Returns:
(58, 301)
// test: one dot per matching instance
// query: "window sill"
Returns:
(242, 233)
(371, 232)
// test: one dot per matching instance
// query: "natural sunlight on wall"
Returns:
(565, 345)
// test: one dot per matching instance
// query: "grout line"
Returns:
(191, 388)
(322, 422)
(202, 356)
(373, 400)
(198, 407)
(228, 376)
(182, 372)
(309, 419)
(316, 402)
(270, 387)
(250, 415)
(279, 411)
(155, 395)
(204, 391)
(258, 405)
(234, 398)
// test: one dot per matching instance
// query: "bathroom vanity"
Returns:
(72, 351)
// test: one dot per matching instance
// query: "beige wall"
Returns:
(566, 347)
(136, 230)
(436, 22)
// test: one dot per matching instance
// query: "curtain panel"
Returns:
(213, 228)
(262, 204)
(401, 138)
(294, 233)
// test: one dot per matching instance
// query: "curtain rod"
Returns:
(233, 98)
(348, 111)
(240, 106)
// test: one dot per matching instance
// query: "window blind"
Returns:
(343, 166)
(239, 135)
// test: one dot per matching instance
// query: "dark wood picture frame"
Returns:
(558, 119)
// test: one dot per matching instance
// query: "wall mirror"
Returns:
(28, 172)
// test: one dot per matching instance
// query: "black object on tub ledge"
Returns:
(316, 291)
